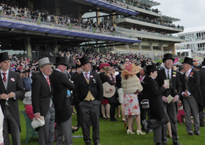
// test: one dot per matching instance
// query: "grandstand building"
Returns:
(42, 27)
(194, 39)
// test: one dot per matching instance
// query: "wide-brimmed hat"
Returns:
(61, 61)
(84, 60)
(103, 65)
(106, 90)
(151, 68)
(44, 61)
(188, 60)
(130, 69)
(168, 56)
(203, 62)
(27, 99)
(4, 56)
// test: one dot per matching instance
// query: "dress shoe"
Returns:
(158, 144)
(197, 133)
(190, 133)
(130, 132)
(113, 119)
(96, 143)
(176, 143)
(123, 119)
(140, 132)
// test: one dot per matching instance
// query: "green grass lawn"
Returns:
(113, 133)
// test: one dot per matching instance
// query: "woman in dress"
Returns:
(131, 87)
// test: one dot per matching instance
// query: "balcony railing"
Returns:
(134, 32)
(74, 27)
(131, 5)
(156, 22)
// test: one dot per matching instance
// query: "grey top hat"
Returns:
(44, 61)
(27, 99)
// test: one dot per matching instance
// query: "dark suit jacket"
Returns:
(82, 87)
(176, 84)
(202, 84)
(62, 103)
(15, 86)
(41, 94)
(194, 87)
(155, 99)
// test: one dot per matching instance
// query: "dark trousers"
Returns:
(159, 132)
(171, 111)
(10, 124)
(78, 115)
(89, 112)
(143, 115)
(46, 132)
(201, 118)
(112, 110)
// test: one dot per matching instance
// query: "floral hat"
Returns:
(130, 69)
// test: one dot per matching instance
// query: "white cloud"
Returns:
(191, 12)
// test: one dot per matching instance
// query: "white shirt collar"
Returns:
(170, 71)
(203, 66)
(87, 72)
(189, 71)
(45, 75)
(58, 70)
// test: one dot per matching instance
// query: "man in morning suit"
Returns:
(61, 83)
(202, 87)
(174, 90)
(11, 89)
(42, 102)
(192, 100)
(88, 94)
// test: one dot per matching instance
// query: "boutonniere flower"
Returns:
(191, 74)
(174, 75)
(94, 81)
(91, 76)
(12, 79)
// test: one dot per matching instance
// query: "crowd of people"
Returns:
(53, 19)
(95, 85)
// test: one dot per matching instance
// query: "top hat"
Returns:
(84, 60)
(151, 68)
(143, 63)
(4, 56)
(27, 99)
(168, 56)
(203, 62)
(188, 60)
(61, 61)
(44, 61)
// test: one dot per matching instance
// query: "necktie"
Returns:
(86, 75)
(168, 75)
(4, 78)
(47, 78)
(141, 78)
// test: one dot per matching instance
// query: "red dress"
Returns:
(29, 111)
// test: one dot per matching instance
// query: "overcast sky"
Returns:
(191, 12)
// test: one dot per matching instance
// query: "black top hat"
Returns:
(4, 56)
(151, 68)
(203, 62)
(168, 56)
(188, 60)
(61, 61)
(143, 63)
(78, 66)
(84, 60)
